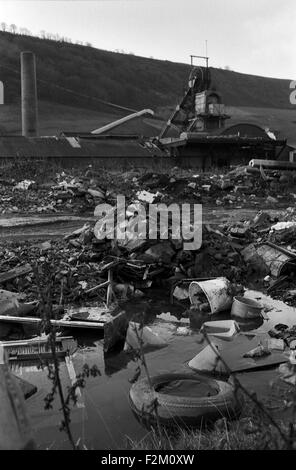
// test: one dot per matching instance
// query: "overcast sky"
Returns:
(251, 36)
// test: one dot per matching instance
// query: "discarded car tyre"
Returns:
(205, 400)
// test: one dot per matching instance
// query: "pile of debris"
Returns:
(65, 192)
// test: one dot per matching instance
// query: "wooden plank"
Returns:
(109, 288)
(14, 273)
(73, 379)
(233, 353)
(58, 323)
(32, 341)
(115, 331)
(99, 286)
(90, 314)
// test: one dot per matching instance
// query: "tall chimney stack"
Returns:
(29, 95)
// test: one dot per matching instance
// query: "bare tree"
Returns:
(13, 28)
(3, 26)
(25, 31)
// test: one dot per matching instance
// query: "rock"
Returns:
(227, 185)
(45, 246)
(261, 220)
(288, 373)
(9, 302)
(177, 244)
(183, 331)
(146, 196)
(96, 193)
(138, 293)
(181, 293)
(271, 200)
(284, 179)
(161, 252)
(25, 185)
(239, 232)
(274, 186)
(192, 185)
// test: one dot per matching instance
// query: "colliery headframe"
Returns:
(195, 135)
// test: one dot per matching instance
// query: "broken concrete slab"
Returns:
(142, 337)
(14, 273)
(209, 360)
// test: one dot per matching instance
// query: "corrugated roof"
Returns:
(45, 147)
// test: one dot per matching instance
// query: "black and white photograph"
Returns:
(147, 229)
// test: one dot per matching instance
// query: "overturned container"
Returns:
(224, 329)
(216, 292)
(243, 307)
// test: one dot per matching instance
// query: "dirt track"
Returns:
(53, 226)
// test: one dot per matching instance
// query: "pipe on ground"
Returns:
(273, 164)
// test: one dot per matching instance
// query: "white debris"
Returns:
(145, 196)
(282, 226)
(24, 185)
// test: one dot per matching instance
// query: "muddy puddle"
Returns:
(103, 418)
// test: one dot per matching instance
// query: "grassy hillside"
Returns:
(55, 118)
(127, 80)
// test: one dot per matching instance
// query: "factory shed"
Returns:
(74, 148)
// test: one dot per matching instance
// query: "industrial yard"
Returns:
(147, 252)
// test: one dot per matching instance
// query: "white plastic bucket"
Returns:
(216, 292)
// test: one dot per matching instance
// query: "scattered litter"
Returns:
(259, 351)
(208, 360)
(224, 329)
(24, 185)
(138, 336)
(277, 344)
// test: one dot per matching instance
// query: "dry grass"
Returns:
(240, 435)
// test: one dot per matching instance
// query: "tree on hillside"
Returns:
(25, 32)
(13, 28)
(3, 26)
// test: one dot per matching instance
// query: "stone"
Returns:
(271, 200)
(227, 185)
(161, 252)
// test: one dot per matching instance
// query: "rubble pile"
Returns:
(243, 252)
(72, 193)
(80, 261)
